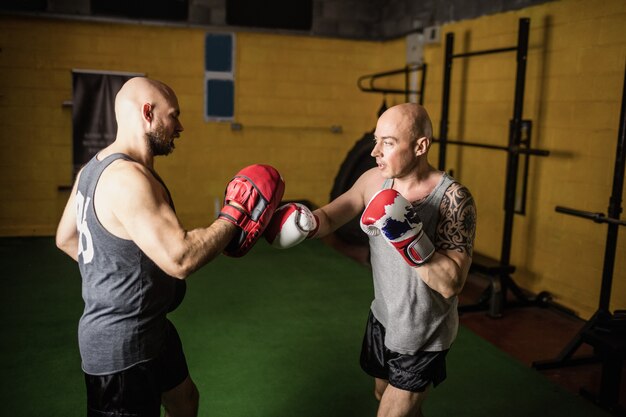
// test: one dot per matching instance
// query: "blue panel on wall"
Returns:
(220, 98)
(218, 52)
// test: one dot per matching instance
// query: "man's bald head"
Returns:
(147, 113)
(416, 116)
(138, 91)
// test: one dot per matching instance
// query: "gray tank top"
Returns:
(416, 317)
(126, 294)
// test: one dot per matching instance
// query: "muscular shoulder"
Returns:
(125, 174)
(457, 220)
(126, 189)
(457, 191)
(124, 179)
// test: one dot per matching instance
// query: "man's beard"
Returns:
(159, 142)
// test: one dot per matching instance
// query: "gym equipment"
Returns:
(604, 331)
(499, 271)
(406, 70)
(357, 161)
(257, 190)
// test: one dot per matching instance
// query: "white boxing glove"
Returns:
(290, 225)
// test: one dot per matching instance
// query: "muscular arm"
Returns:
(67, 235)
(447, 270)
(139, 210)
(345, 207)
(336, 213)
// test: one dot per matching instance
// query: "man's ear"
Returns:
(422, 145)
(146, 112)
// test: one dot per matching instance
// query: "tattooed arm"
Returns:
(447, 269)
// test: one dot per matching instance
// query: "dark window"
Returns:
(218, 53)
(220, 98)
(141, 9)
(219, 76)
(274, 14)
(24, 5)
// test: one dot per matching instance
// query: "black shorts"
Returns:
(407, 372)
(137, 390)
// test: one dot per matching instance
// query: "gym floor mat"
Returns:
(273, 334)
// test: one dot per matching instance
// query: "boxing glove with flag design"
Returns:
(392, 214)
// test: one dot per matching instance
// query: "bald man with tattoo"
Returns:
(421, 225)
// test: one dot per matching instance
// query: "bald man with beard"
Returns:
(119, 224)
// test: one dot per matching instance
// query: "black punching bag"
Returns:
(358, 160)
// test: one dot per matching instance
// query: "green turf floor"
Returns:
(274, 334)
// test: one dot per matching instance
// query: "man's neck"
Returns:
(419, 184)
(141, 155)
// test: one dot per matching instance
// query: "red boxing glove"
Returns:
(392, 214)
(258, 189)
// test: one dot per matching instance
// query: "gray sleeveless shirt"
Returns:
(416, 317)
(126, 294)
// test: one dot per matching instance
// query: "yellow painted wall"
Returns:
(575, 74)
(290, 90)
